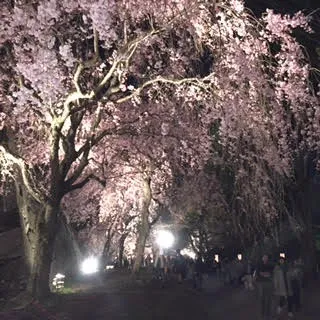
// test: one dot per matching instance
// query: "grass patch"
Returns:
(67, 290)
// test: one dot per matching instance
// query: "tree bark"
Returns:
(39, 225)
(46, 232)
(144, 227)
(121, 249)
(28, 212)
(106, 248)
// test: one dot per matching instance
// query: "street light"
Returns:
(90, 265)
(164, 239)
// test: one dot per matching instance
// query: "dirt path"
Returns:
(177, 302)
(173, 302)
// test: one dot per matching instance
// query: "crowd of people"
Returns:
(278, 284)
(281, 283)
(179, 267)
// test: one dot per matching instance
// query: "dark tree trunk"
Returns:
(39, 225)
(107, 246)
(46, 232)
(29, 216)
(121, 249)
(144, 227)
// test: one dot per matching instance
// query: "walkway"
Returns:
(173, 302)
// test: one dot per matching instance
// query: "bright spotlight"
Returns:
(164, 239)
(90, 265)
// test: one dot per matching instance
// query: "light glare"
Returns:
(165, 239)
(90, 265)
(108, 267)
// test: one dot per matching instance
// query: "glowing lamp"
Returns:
(282, 255)
(109, 267)
(90, 265)
(216, 258)
(164, 239)
(239, 256)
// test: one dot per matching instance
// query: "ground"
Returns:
(116, 298)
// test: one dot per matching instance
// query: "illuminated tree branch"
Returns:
(195, 81)
(23, 168)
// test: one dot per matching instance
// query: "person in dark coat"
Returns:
(263, 275)
(282, 286)
(180, 266)
(199, 269)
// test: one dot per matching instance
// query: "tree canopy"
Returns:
(88, 87)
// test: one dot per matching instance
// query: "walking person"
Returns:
(263, 275)
(159, 265)
(282, 286)
(296, 277)
(180, 266)
(199, 268)
(248, 278)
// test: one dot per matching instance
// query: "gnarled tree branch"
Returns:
(23, 167)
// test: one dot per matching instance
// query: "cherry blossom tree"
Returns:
(86, 82)
(255, 146)
(120, 211)
(132, 203)
(107, 216)
(198, 206)
(74, 74)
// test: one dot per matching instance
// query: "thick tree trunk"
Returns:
(46, 231)
(29, 216)
(39, 225)
(141, 242)
(106, 248)
(144, 227)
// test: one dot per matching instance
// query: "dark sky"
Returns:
(283, 5)
(311, 42)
